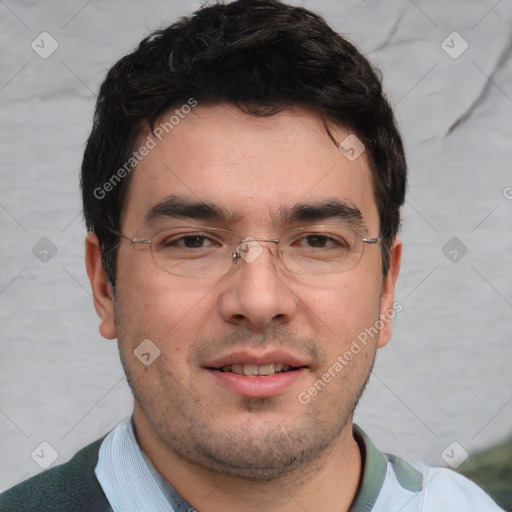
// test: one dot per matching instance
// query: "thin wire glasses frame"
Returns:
(227, 248)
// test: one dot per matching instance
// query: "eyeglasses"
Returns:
(194, 251)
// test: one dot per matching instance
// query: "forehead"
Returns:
(253, 168)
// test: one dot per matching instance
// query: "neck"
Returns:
(328, 483)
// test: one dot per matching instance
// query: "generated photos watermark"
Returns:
(146, 352)
(150, 143)
(352, 147)
(344, 359)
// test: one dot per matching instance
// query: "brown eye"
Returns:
(317, 240)
(321, 241)
(193, 242)
(189, 241)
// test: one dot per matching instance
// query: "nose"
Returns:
(256, 295)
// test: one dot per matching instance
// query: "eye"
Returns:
(189, 241)
(317, 240)
(194, 241)
(321, 241)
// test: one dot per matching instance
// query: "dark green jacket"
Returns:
(70, 487)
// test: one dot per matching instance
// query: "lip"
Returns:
(261, 386)
(258, 387)
(246, 357)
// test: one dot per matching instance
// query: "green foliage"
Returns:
(492, 471)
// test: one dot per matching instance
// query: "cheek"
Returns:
(168, 310)
(343, 306)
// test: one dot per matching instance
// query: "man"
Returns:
(242, 186)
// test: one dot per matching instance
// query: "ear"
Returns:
(102, 291)
(388, 309)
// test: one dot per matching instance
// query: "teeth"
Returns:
(250, 369)
(253, 370)
(237, 368)
(267, 369)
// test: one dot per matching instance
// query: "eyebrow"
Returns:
(320, 211)
(181, 207)
(175, 206)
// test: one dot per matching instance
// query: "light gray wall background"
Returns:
(446, 374)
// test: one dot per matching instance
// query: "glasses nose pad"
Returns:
(249, 250)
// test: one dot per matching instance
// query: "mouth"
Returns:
(253, 370)
(257, 375)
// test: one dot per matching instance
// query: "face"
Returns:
(253, 170)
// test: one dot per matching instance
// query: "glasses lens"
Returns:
(321, 250)
(208, 252)
(194, 251)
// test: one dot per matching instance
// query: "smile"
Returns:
(257, 374)
(255, 370)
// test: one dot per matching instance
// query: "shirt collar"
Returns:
(131, 482)
(129, 479)
(374, 473)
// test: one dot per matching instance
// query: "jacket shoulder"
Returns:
(71, 486)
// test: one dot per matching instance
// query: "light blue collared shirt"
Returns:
(132, 484)
(128, 478)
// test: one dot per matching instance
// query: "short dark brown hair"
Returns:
(262, 56)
